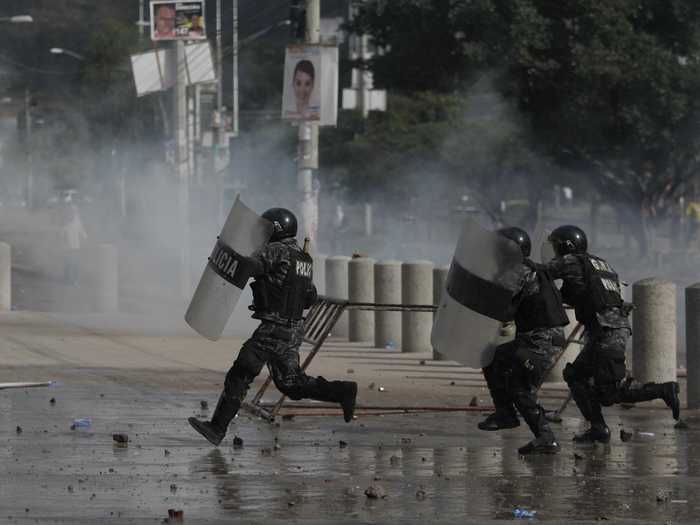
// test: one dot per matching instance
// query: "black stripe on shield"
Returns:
(480, 295)
(229, 265)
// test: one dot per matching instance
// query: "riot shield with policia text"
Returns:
(227, 272)
(484, 277)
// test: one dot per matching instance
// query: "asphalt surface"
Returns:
(434, 467)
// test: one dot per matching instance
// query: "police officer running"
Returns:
(282, 289)
(518, 367)
(597, 377)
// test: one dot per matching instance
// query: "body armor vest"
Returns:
(543, 309)
(289, 300)
(601, 290)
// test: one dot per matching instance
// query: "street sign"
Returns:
(177, 20)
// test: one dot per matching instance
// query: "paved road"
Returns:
(128, 378)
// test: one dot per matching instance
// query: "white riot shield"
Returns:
(484, 277)
(226, 273)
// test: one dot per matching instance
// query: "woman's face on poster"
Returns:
(303, 86)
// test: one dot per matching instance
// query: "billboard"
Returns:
(310, 91)
(155, 70)
(177, 20)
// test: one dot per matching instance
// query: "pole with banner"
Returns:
(308, 142)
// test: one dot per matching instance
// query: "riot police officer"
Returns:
(518, 367)
(597, 377)
(282, 289)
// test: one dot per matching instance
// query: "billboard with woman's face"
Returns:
(177, 20)
(310, 84)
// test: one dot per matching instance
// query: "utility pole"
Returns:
(28, 137)
(141, 20)
(234, 102)
(219, 80)
(307, 160)
(182, 165)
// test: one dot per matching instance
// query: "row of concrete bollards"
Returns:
(364, 280)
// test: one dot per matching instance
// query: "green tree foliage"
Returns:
(611, 87)
(607, 86)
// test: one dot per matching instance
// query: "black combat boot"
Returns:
(533, 414)
(500, 419)
(670, 397)
(348, 396)
(648, 391)
(597, 433)
(343, 392)
(545, 443)
(215, 430)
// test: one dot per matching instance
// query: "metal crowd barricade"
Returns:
(317, 326)
(320, 322)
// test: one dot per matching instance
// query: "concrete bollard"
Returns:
(416, 288)
(5, 276)
(692, 343)
(320, 273)
(654, 328)
(361, 290)
(439, 278)
(337, 288)
(387, 290)
(107, 280)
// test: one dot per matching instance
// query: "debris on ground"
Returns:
(266, 452)
(382, 389)
(406, 441)
(421, 362)
(474, 402)
(350, 371)
(375, 492)
(52, 400)
(121, 440)
(394, 460)
(19, 429)
(174, 516)
(166, 452)
(452, 383)
(577, 457)
(173, 487)
(204, 405)
(420, 493)
(524, 513)
(83, 422)
(342, 444)
(625, 436)
(662, 497)
(371, 386)
(237, 442)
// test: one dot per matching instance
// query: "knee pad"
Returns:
(242, 373)
(569, 374)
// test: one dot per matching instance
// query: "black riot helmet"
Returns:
(520, 237)
(284, 221)
(568, 239)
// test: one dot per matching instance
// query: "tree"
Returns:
(611, 87)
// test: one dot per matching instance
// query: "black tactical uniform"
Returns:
(518, 367)
(592, 287)
(282, 289)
